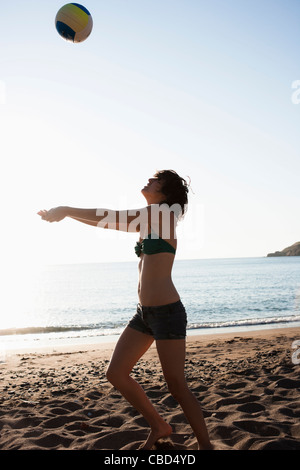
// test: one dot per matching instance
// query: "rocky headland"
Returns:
(293, 250)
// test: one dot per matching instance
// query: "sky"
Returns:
(201, 87)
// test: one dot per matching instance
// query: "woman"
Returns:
(160, 314)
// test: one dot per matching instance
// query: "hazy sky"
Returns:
(202, 87)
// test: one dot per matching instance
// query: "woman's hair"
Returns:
(174, 188)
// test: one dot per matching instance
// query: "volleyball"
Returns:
(74, 22)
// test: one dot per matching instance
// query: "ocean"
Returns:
(90, 303)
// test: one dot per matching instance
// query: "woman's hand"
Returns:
(54, 215)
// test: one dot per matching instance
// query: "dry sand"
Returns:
(247, 383)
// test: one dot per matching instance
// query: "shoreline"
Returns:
(246, 382)
(73, 344)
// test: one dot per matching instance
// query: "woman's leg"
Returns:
(172, 358)
(129, 349)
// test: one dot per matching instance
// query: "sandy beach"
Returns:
(247, 383)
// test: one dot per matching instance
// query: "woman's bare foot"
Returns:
(207, 447)
(164, 430)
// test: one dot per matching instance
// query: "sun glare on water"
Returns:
(19, 291)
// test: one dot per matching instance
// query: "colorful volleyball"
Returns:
(74, 22)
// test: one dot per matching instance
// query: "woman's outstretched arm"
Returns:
(87, 222)
(126, 220)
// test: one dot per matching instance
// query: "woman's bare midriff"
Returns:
(155, 283)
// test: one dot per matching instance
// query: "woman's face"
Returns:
(152, 191)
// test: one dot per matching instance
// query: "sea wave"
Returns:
(101, 330)
(246, 322)
(36, 330)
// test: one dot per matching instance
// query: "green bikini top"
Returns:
(151, 246)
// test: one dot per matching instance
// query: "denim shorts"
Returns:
(162, 322)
